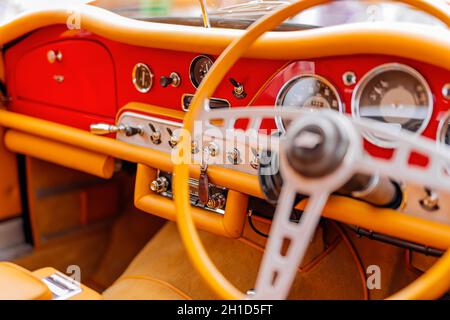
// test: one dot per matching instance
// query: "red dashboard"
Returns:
(92, 79)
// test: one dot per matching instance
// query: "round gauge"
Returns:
(397, 96)
(199, 68)
(307, 91)
(443, 134)
(142, 77)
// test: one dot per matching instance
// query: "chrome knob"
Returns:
(216, 201)
(212, 149)
(255, 162)
(159, 185)
(431, 201)
(102, 129)
(234, 156)
(53, 56)
(194, 147)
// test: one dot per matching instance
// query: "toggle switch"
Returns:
(238, 89)
(173, 140)
(174, 80)
(156, 134)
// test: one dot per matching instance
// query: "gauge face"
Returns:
(142, 77)
(307, 91)
(199, 68)
(444, 130)
(395, 95)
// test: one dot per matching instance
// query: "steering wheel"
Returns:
(334, 140)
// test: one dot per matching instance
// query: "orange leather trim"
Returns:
(62, 154)
(17, 283)
(406, 40)
(9, 184)
(229, 225)
(387, 221)
(11, 205)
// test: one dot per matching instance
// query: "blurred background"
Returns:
(338, 12)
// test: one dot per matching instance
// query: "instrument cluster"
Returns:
(400, 94)
(394, 94)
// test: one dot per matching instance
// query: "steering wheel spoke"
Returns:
(287, 244)
(433, 174)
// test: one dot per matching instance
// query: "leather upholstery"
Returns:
(85, 294)
(162, 270)
(17, 283)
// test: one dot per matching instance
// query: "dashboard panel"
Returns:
(124, 59)
(78, 78)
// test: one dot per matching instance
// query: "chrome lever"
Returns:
(102, 129)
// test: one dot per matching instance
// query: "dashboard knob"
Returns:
(102, 129)
(217, 201)
(234, 156)
(174, 80)
(159, 185)
(53, 56)
(212, 149)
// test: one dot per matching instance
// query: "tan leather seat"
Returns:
(162, 270)
(17, 283)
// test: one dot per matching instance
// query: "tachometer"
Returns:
(199, 68)
(307, 91)
(396, 95)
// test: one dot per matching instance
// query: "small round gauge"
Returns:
(443, 134)
(199, 68)
(397, 96)
(307, 91)
(142, 77)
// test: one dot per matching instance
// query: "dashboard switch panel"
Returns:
(217, 195)
(163, 135)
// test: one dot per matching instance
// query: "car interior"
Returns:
(224, 149)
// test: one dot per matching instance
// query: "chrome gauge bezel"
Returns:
(284, 89)
(362, 84)
(442, 128)
(192, 64)
(136, 84)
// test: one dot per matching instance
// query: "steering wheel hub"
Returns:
(315, 146)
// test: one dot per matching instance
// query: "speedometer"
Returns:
(199, 68)
(307, 91)
(397, 96)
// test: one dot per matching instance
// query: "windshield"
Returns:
(337, 12)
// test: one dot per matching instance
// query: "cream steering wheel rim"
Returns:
(429, 285)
